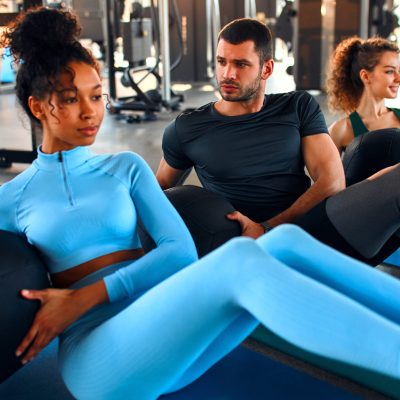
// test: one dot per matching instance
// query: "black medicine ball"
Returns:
(20, 268)
(371, 152)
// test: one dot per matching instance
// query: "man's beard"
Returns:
(245, 94)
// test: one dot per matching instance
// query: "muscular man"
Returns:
(250, 147)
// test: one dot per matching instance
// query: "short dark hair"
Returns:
(244, 29)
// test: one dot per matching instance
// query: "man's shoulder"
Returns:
(296, 95)
(287, 103)
(195, 114)
(190, 123)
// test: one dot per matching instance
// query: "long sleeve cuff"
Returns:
(117, 287)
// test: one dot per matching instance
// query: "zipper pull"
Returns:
(60, 157)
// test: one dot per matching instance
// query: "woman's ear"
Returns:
(364, 76)
(36, 107)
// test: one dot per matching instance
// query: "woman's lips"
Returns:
(89, 131)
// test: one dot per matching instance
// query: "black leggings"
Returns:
(317, 224)
(371, 152)
(362, 221)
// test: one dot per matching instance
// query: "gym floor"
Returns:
(145, 138)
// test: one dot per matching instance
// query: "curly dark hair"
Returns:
(43, 43)
(343, 84)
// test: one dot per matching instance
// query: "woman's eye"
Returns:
(70, 100)
(98, 97)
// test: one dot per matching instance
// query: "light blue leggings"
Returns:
(300, 289)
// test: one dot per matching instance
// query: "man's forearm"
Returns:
(319, 191)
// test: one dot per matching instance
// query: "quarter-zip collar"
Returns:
(72, 158)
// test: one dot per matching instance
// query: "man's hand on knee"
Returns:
(249, 228)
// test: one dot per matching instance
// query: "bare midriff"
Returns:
(68, 277)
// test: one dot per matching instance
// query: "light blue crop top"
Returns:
(74, 206)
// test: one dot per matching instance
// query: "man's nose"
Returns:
(229, 72)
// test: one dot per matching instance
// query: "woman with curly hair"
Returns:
(137, 326)
(362, 74)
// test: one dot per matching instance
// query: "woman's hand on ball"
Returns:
(59, 308)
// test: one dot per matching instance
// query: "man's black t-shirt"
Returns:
(254, 160)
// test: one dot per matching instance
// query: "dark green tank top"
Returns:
(358, 126)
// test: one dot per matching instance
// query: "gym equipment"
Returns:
(137, 41)
(283, 27)
(316, 33)
(371, 152)
(91, 17)
(7, 157)
(20, 268)
(382, 20)
(204, 215)
(195, 44)
(213, 28)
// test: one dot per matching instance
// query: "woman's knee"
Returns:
(286, 237)
(235, 254)
(239, 245)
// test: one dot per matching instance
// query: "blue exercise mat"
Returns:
(38, 380)
(394, 259)
(243, 374)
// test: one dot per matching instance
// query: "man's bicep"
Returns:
(321, 156)
(168, 176)
(173, 152)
